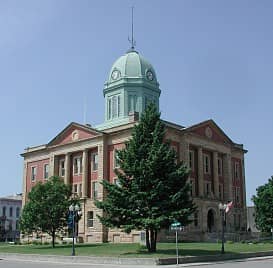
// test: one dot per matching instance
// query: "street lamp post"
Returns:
(222, 208)
(74, 210)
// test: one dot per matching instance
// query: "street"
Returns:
(261, 262)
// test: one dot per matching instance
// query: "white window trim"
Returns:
(116, 181)
(95, 196)
(89, 219)
(80, 190)
(80, 167)
(60, 167)
(110, 107)
(115, 165)
(206, 156)
(92, 162)
(33, 178)
(45, 178)
(208, 194)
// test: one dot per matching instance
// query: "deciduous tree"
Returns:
(46, 208)
(263, 202)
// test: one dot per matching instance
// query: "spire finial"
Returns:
(132, 41)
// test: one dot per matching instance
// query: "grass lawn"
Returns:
(135, 250)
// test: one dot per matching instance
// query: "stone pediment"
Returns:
(74, 132)
(210, 130)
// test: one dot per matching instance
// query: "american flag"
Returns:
(229, 206)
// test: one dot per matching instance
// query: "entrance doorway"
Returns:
(211, 221)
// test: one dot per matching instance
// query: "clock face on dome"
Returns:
(149, 75)
(115, 74)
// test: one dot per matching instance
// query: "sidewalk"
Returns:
(133, 261)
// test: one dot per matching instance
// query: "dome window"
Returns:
(113, 107)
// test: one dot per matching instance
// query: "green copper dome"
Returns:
(132, 65)
(130, 86)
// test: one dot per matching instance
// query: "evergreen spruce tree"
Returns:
(152, 190)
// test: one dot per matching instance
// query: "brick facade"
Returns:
(84, 156)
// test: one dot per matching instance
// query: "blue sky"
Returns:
(213, 59)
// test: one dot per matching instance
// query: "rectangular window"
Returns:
(236, 170)
(95, 161)
(238, 195)
(233, 193)
(17, 212)
(208, 188)
(221, 191)
(10, 212)
(220, 166)
(33, 173)
(61, 168)
(80, 190)
(116, 181)
(114, 107)
(196, 219)
(90, 219)
(206, 164)
(46, 171)
(4, 211)
(77, 165)
(116, 160)
(75, 188)
(132, 103)
(95, 187)
(192, 190)
(118, 105)
(191, 160)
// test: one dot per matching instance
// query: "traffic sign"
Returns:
(176, 224)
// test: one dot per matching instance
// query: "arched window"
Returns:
(10, 211)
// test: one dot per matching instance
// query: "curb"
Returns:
(132, 261)
(212, 258)
(78, 259)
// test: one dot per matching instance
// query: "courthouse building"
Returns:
(84, 155)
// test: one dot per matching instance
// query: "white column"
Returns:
(200, 173)
(67, 169)
(84, 173)
(215, 175)
(53, 165)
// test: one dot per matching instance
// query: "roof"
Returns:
(16, 197)
(131, 65)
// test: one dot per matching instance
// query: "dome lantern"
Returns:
(130, 86)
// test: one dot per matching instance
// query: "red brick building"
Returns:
(83, 156)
